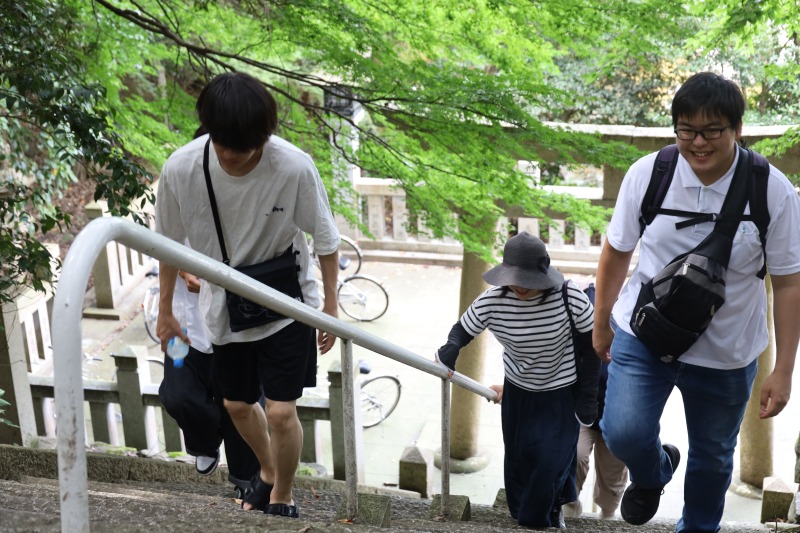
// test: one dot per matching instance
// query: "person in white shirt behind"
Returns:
(190, 397)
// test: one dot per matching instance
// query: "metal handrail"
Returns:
(66, 337)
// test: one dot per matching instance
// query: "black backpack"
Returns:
(587, 366)
(676, 306)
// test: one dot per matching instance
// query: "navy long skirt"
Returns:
(540, 433)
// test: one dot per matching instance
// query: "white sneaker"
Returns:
(206, 464)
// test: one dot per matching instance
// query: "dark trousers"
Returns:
(540, 433)
(191, 396)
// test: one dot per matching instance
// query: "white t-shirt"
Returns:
(738, 332)
(261, 214)
(536, 335)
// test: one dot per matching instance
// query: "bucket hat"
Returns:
(525, 264)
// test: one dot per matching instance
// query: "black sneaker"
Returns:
(674, 455)
(207, 464)
(639, 504)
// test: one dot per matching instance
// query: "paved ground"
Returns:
(423, 306)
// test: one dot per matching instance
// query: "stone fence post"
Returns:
(14, 382)
(336, 399)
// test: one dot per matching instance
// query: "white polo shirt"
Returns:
(738, 333)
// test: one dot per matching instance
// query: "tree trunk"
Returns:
(466, 406)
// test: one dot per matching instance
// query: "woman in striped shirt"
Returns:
(543, 399)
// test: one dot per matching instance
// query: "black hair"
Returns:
(709, 94)
(237, 111)
(199, 132)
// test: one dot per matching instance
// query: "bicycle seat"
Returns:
(344, 262)
(364, 366)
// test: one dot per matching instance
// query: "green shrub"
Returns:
(3, 404)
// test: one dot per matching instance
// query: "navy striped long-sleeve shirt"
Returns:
(535, 334)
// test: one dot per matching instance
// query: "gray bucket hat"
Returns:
(525, 264)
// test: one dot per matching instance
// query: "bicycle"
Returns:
(379, 396)
(150, 307)
(361, 297)
(350, 256)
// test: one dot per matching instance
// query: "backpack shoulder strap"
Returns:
(660, 179)
(748, 185)
(759, 208)
(732, 211)
(565, 297)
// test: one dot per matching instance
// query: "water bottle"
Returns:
(176, 348)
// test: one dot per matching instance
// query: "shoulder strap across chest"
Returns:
(754, 191)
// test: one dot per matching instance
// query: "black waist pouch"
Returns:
(280, 273)
(676, 307)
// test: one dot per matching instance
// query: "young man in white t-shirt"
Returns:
(269, 195)
(716, 374)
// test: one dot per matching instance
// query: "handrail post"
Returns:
(445, 499)
(73, 482)
(351, 464)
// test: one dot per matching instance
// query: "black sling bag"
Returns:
(676, 306)
(280, 273)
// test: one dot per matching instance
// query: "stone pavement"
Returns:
(423, 306)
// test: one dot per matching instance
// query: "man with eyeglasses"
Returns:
(716, 374)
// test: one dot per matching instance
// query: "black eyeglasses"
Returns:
(709, 134)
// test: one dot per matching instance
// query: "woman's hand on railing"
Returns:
(450, 371)
(499, 390)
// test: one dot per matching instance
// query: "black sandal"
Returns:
(258, 494)
(282, 509)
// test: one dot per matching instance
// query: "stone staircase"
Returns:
(132, 494)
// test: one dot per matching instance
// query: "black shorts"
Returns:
(283, 364)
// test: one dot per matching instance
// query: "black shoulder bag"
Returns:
(676, 306)
(587, 365)
(280, 273)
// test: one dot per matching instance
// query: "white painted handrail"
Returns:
(66, 336)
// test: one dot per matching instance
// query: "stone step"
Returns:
(31, 504)
(182, 501)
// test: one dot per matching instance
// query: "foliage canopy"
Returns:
(452, 95)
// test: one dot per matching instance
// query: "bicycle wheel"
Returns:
(156, 367)
(150, 312)
(379, 396)
(350, 257)
(363, 298)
